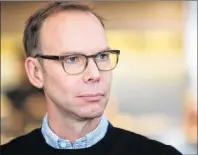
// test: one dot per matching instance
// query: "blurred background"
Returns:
(154, 89)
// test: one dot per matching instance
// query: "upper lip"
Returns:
(91, 94)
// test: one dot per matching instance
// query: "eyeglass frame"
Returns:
(63, 57)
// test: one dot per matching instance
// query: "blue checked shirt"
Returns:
(87, 141)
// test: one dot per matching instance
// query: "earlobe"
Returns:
(34, 72)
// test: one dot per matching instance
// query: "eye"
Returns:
(71, 59)
(103, 56)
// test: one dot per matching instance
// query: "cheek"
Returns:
(66, 85)
(56, 81)
(106, 78)
(61, 90)
(70, 86)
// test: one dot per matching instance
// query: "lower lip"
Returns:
(91, 98)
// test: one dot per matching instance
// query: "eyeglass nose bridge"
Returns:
(93, 57)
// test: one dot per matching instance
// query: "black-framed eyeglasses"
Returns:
(77, 63)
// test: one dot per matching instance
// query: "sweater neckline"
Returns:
(103, 144)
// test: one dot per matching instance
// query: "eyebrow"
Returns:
(73, 52)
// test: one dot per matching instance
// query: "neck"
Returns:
(67, 127)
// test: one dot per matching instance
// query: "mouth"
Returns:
(91, 97)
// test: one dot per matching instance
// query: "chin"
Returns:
(91, 114)
(90, 110)
(89, 117)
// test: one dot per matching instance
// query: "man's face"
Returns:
(74, 32)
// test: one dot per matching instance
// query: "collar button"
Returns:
(62, 144)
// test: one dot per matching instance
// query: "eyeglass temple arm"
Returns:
(47, 57)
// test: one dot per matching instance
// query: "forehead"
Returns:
(72, 31)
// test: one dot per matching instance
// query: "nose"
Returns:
(91, 73)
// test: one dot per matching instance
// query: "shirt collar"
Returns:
(87, 141)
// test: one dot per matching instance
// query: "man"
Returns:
(69, 58)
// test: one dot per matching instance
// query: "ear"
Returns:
(34, 72)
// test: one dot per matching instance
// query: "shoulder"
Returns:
(21, 143)
(143, 144)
